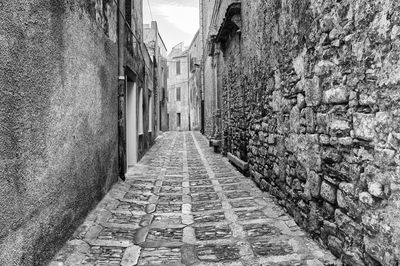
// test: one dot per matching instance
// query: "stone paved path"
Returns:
(185, 205)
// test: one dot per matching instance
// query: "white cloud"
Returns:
(183, 17)
(178, 20)
(191, 3)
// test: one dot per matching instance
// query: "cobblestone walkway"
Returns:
(185, 205)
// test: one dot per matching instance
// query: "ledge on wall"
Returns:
(242, 165)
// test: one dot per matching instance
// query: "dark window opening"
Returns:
(128, 12)
(160, 122)
(193, 62)
(178, 94)
(178, 67)
(167, 121)
(178, 119)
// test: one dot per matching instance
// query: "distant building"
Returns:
(178, 100)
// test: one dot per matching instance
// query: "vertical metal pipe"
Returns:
(121, 92)
(203, 63)
(188, 84)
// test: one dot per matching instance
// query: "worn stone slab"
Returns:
(206, 206)
(160, 256)
(131, 256)
(212, 232)
(218, 253)
(110, 243)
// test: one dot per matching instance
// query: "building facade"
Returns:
(150, 100)
(138, 98)
(70, 106)
(211, 67)
(303, 93)
(178, 89)
(158, 51)
(195, 82)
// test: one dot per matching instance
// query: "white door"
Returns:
(131, 124)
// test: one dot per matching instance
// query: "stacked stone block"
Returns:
(319, 84)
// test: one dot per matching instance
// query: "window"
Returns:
(167, 121)
(178, 119)
(178, 94)
(178, 67)
(193, 64)
(160, 118)
(128, 12)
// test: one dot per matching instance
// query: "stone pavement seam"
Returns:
(238, 232)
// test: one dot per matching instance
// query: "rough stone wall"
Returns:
(208, 97)
(321, 91)
(58, 112)
(234, 107)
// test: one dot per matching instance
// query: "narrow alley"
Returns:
(185, 205)
(200, 132)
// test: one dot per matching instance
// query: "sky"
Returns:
(178, 20)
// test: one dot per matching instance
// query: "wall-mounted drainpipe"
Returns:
(201, 70)
(188, 84)
(121, 92)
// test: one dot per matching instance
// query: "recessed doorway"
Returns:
(131, 124)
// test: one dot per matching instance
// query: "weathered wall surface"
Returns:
(209, 96)
(206, 9)
(150, 38)
(321, 101)
(212, 16)
(195, 100)
(163, 86)
(194, 58)
(149, 126)
(235, 110)
(58, 113)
